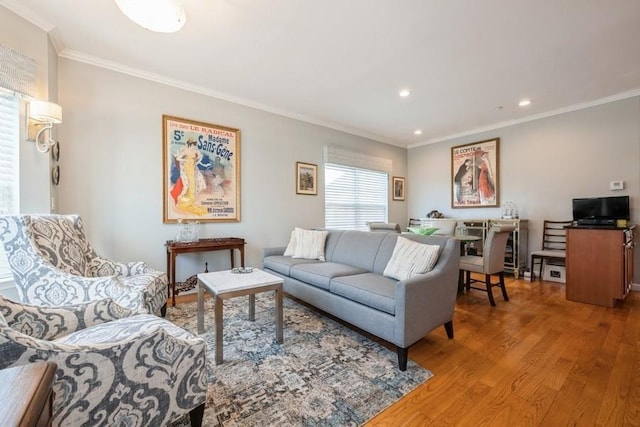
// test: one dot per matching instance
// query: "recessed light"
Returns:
(524, 102)
(404, 93)
(417, 132)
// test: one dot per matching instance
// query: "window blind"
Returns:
(354, 196)
(9, 166)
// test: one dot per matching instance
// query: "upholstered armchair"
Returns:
(113, 367)
(53, 264)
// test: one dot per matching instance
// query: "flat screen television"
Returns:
(600, 210)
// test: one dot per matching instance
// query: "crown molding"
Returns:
(19, 9)
(500, 125)
(135, 72)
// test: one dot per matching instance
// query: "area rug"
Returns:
(325, 374)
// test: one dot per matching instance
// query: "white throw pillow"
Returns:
(309, 244)
(291, 247)
(411, 258)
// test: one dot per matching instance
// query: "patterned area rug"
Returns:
(324, 374)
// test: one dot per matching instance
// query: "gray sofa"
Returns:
(350, 285)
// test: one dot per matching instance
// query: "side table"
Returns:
(26, 394)
(202, 245)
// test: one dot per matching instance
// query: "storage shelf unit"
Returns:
(516, 254)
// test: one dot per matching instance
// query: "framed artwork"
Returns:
(306, 178)
(200, 170)
(398, 187)
(474, 174)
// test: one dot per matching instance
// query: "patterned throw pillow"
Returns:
(424, 231)
(411, 258)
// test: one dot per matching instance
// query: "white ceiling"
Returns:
(341, 63)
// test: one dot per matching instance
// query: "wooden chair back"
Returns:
(554, 237)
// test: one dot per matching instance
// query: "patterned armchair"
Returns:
(113, 368)
(53, 264)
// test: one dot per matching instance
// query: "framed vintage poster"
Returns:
(474, 174)
(398, 188)
(306, 178)
(201, 171)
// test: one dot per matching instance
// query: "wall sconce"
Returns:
(41, 116)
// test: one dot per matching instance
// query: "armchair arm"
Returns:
(55, 287)
(137, 367)
(49, 323)
(100, 266)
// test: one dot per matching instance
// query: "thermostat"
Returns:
(616, 185)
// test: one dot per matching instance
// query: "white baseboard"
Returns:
(635, 287)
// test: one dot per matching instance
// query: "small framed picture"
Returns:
(398, 188)
(306, 178)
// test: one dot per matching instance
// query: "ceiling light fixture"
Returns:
(162, 16)
(404, 93)
(524, 102)
(417, 132)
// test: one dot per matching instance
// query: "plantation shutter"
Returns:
(9, 167)
(354, 196)
(17, 79)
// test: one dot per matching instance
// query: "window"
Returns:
(354, 196)
(9, 172)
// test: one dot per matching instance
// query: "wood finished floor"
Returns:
(537, 360)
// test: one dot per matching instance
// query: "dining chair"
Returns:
(554, 245)
(489, 264)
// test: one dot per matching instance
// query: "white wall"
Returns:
(18, 34)
(35, 182)
(543, 165)
(111, 166)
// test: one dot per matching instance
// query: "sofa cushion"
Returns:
(282, 264)
(320, 273)
(358, 248)
(370, 289)
(411, 258)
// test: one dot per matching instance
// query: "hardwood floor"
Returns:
(537, 360)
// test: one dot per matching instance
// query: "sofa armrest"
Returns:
(273, 251)
(428, 300)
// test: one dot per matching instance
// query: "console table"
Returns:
(26, 394)
(202, 245)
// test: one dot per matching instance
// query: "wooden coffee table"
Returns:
(226, 284)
